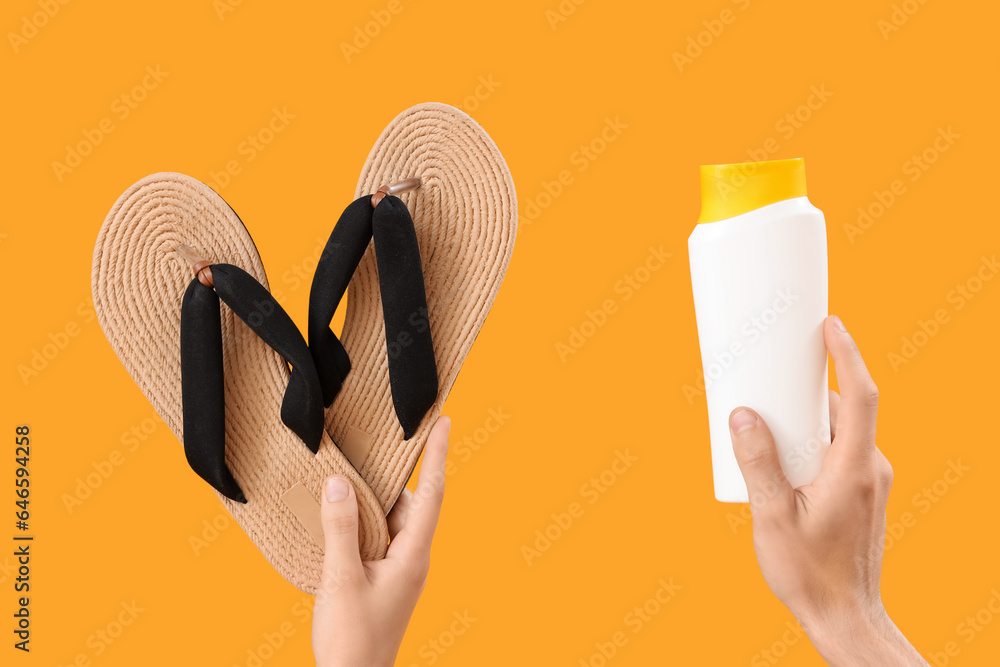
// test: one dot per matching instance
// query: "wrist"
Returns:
(359, 662)
(357, 657)
(858, 635)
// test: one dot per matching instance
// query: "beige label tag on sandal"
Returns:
(356, 446)
(306, 510)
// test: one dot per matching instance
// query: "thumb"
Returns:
(339, 511)
(757, 457)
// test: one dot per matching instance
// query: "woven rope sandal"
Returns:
(218, 374)
(421, 271)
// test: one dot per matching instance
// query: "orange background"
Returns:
(555, 84)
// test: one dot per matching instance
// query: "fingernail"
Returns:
(336, 489)
(742, 420)
(447, 424)
(837, 323)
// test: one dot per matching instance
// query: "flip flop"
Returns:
(168, 251)
(418, 293)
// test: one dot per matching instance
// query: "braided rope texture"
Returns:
(138, 281)
(465, 214)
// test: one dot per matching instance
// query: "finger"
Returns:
(397, 515)
(413, 542)
(834, 411)
(858, 398)
(758, 460)
(342, 562)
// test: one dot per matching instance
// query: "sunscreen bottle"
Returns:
(759, 276)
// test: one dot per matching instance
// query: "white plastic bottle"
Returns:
(759, 275)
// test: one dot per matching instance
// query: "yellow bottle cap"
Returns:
(729, 190)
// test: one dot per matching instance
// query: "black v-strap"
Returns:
(410, 351)
(203, 384)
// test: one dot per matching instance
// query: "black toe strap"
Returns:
(341, 256)
(409, 348)
(202, 374)
(412, 370)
